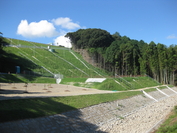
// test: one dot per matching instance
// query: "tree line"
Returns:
(121, 55)
(1, 41)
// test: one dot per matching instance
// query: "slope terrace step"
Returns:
(168, 92)
(113, 110)
(174, 88)
(157, 95)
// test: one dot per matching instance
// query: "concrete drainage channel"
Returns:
(136, 114)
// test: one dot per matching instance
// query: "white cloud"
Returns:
(42, 28)
(63, 41)
(173, 36)
(66, 23)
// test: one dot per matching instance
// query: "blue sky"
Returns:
(46, 20)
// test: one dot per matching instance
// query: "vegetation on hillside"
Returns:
(90, 38)
(36, 59)
(121, 55)
(116, 54)
(114, 84)
(170, 124)
(25, 78)
(11, 110)
(32, 57)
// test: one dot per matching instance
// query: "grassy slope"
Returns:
(54, 61)
(20, 78)
(30, 108)
(110, 84)
(170, 124)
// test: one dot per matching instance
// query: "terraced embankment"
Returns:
(136, 114)
(145, 119)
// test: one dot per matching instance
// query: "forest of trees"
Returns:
(121, 55)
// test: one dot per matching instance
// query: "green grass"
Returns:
(170, 125)
(151, 89)
(21, 78)
(109, 84)
(141, 82)
(10, 78)
(44, 80)
(126, 83)
(164, 87)
(30, 108)
(52, 61)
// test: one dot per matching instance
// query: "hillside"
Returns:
(124, 56)
(38, 64)
(36, 58)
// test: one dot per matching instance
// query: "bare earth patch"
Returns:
(43, 90)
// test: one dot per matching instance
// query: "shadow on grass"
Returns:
(9, 78)
(13, 91)
(11, 110)
(8, 64)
